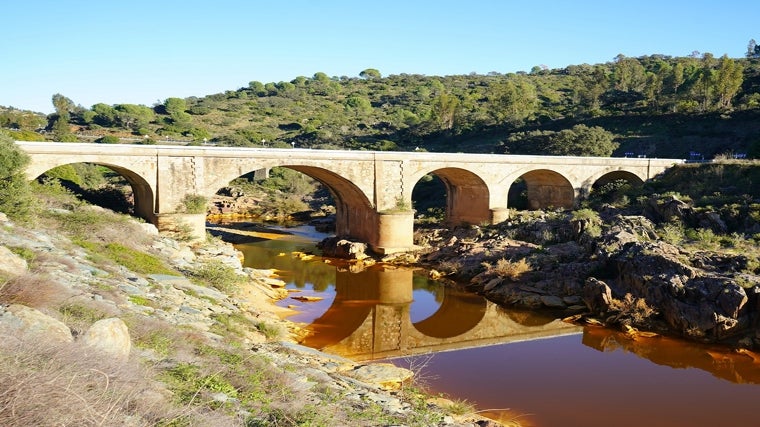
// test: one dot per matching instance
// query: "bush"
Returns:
(509, 269)
(194, 204)
(15, 195)
(217, 275)
(108, 139)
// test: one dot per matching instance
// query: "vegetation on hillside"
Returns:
(657, 105)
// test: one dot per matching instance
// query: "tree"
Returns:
(370, 74)
(132, 116)
(580, 140)
(15, 193)
(358, 103)
(728, 80)
(513, 101)
(753, 49)
(629, 75)
(444, 110)
(63, 106)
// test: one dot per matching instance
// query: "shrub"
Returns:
(217, 275)
(108, 139)
(509, 269)
(194, 204)
(15, 195)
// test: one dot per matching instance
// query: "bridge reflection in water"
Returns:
(371, 317)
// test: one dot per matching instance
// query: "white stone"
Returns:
(110, 336)
(11, 265)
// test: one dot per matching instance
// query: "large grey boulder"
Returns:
(20, 319)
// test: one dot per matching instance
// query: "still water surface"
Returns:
(512, 365)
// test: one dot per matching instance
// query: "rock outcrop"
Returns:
(622, 275)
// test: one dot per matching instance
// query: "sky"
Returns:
(144, 51)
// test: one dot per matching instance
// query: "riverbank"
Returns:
(619, 270)
(115, 324)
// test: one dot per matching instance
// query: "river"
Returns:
(512, 365)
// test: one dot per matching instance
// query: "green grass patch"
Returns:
(217, 275)
(138, 300)
(132, 259)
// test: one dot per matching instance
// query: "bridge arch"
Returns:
(548, 189)
(144, 198)
(611, 176)
(355, 216)
(467, 195)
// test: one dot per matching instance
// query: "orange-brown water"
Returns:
(513, 365)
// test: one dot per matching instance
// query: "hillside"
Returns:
(656, 105)
(104, 322)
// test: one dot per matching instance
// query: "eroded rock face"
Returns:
(692, 302)
(597, 295)
(704, 294)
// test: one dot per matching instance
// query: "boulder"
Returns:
(384, 375)
(597, 295)
(109, 336)
(343, 248)
(22, 319)
(11, 265)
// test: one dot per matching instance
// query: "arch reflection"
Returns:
(370, 318)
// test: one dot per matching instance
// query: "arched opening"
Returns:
(301, 193)
(460, 194)
(614, 176)
(429, 200)
(544, 189)
(109, 186)
(613, 188)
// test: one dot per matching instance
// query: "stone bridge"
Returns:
(372, 190)
(374, 320)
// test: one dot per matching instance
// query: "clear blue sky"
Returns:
(144, 51)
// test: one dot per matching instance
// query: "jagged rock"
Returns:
(29, 320)
(670, 209)
(109, 336)
(342, 248)
(597, 295)
(11, 265)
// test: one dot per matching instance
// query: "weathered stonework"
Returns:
(373, 190)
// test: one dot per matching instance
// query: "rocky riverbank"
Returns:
(610, 268)
(94, 332)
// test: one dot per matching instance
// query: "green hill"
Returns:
(658, 106)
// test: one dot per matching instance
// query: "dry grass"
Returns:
(635, 309)
(34, 290)
(47, 385)
(508, 269)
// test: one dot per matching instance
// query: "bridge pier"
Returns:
(395, 232)
(499, 215)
